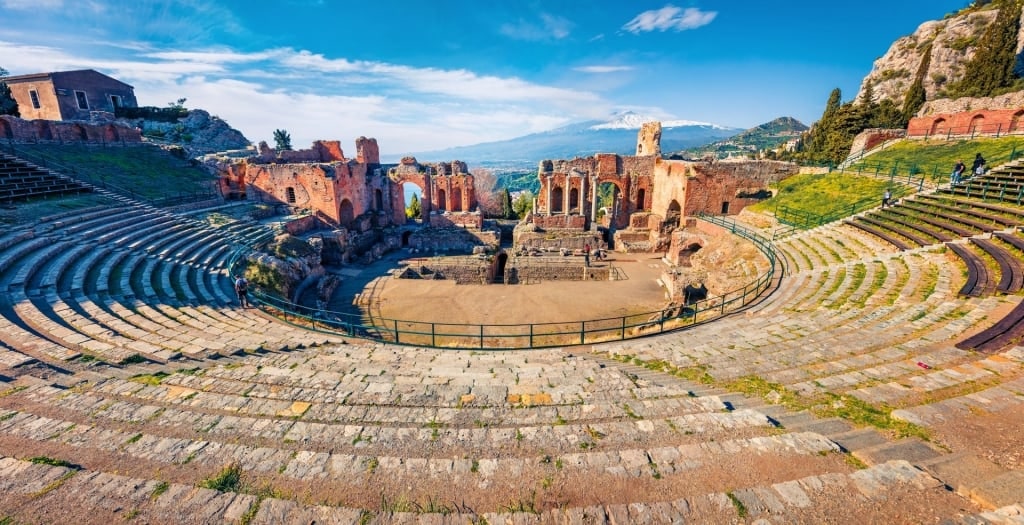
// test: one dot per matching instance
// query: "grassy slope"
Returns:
(935, 159)
(148, 171)
(822, 194)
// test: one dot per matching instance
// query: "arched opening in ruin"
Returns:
(641, 199)
(5, 130)
(405, 238)
(609, 203)
(410, 190)
(725, 207)
(346, 213)
(378, 199)
(574, 199)
(79, 133)
(673, 216)
(938, 126)
(110, 134)
(456, 199)
(557, 197)
(498, 268)
(1015, 121)
(442, 204)
(686, 252)
(43, 130)
(289, 195)
(977, 124)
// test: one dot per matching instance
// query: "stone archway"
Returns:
(110, 134)
(977, 124)
(574, 199)
(938, 126)
(78, 133)
(557, 198)
(346, 213)
(442, 201)
(686, 253)
(456, 198)
(673, 216)
(43, 130)
(405, 238)
(1015, 121)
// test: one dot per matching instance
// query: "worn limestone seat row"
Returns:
(123, 283)
(20, 180)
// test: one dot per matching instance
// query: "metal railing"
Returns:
(524, 335)
(798, 219)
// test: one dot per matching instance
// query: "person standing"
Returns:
(242, 290)
(885, 197)
(958, 172)
(586, 255)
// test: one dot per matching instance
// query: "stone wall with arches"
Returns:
(67, 132)
(979, 122)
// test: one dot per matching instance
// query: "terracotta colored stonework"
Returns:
(14, 128)
(980, 122)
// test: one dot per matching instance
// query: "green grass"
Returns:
(935, 158)
(820, 194)
(149, 379)
(148, 171)
(229, 479)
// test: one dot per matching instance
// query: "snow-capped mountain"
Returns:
(615, 135)
(631, 120)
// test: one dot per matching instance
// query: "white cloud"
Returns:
(669, 17)
(550, 27)
(602, 69)
(316, 97)
(31, 4)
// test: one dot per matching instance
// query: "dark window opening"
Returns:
(35, 99)
(725, 207)
(289, 194)
(83, 102)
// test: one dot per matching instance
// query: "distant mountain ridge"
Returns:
(582, 139)
(765, 136)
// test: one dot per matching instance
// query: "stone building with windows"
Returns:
(69, 95)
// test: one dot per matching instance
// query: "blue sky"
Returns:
(421, 75)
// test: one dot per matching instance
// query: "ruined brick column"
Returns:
(549, 195)
(593, 199)
(565, 195)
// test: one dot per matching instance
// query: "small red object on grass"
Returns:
(923, 365)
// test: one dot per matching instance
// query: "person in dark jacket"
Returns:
(978, 167)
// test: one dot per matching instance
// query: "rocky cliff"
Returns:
(198, 133)
(950, 43)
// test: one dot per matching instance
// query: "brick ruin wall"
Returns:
(726, 187)
(478, 272)
(977, 122)
(68, 132)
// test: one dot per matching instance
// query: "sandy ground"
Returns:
(445, 301)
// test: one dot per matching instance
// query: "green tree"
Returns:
(8, 106)
(282, 140)
(413, 210)
(507, 212)
(990, 71)
(523, 204)
(916, 95)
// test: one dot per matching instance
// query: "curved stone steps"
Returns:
(58, 323)
(1005, 368)
(880, 490)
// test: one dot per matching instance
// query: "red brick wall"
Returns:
(981, 122)
(14, 128)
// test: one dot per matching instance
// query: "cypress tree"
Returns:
(990, 71)
(506, 205)
(916, 96)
